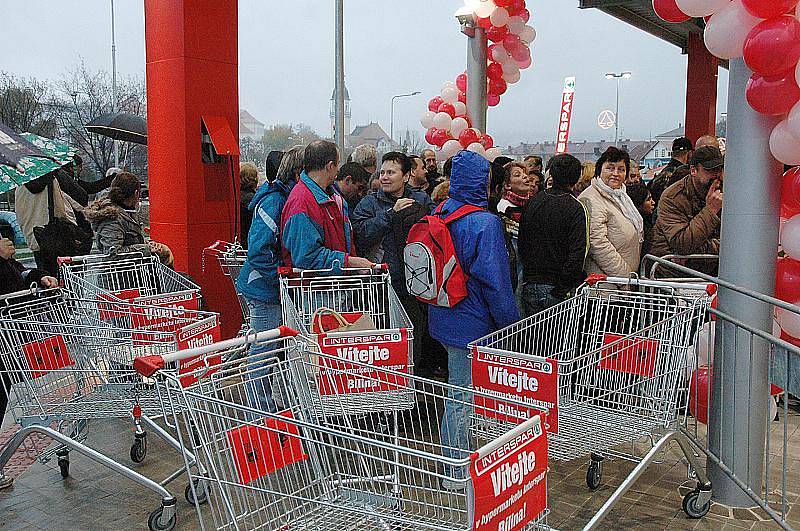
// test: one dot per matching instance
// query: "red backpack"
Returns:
(433, 273)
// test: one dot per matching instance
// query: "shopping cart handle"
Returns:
(64, 260)
(596, 278)
(147, 366)
(286, 271)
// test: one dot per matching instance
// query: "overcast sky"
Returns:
(286, 61)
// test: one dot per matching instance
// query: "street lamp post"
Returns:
(114, 80)
(339, 103)
(619, 76)
(391, 121)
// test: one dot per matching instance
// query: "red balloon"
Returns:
(462, 97)
(511, 42)
(461, 82)
(525, 15)
(669, 11)
(503, 3)
(440, 137)
(787, 280)
(469, 121)
(700, 393)
(521, 53)
(773, 46)
(492, 100)
(494, 71)
(774, 95)
(469, 136)
(790, 193)
(769, 8)
(516, 7)
(498, 86)
(487, 141)
(429, 135)
(497, 34)
(433, 105)
(484, 23)
(449, 108)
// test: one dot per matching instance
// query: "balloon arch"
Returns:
(448, 124)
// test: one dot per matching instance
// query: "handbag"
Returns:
(61, 237)
(325, 321)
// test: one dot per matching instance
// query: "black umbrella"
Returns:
(120, 126)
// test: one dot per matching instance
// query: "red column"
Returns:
(192, 71)
(701, 89)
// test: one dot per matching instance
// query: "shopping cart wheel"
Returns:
(155, 523)
(139, 448)
(691, 506)
(201, 488)
(594, 475)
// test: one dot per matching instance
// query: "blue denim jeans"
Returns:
(457, 410)
(537, 298)
(263, 316)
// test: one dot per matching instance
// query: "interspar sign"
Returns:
(357, 355)
(200, 334)
(509, 479)
(531, 380)
(565, 115)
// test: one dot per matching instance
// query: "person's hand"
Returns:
(402, 203)
(714, 197)
(7, 249)
(359, 263)
(49, 282)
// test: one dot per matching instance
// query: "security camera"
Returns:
(466, 17)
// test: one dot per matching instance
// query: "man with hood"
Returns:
(479, 243)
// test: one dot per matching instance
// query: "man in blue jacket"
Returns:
(490, 305)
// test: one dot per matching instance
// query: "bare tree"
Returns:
(25, 105)
(252, 151)
(281, 137)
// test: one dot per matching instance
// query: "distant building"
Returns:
(661, 152)
(585, 151)
(249, 126)
(346, 113)
(374, 135)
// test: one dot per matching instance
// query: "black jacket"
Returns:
(664, 179)
(554, 240)
(14, 276)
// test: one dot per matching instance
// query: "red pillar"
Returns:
(192, 71)
(701, 89)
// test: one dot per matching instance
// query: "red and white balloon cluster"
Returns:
(449, 127)
(767, 34)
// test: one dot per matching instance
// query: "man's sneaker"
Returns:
(454, 486)
(6, 482)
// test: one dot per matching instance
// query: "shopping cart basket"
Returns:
(231, 258)
(609, 364)
(66, 370)
(130, 277)
(372, 328)
(293, 470)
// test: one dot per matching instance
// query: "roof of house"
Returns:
(246, 117)
(368, 134)
(675, 133)
(587, 150)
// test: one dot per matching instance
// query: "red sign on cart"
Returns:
(109, 310)
(531, 379)
(47, 355)
(258, 451)
(203, 333)
(631, 355)
(509, 479)
(385, 350)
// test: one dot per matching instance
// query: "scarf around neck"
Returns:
(515, 199)
(625, 204)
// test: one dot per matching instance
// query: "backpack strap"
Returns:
(462, 212)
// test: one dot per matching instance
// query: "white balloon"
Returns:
(784, 146)
(450, 94)
(790, 237)
(727, 30)
(701, 8)
(458, 126)
(493, 153)
(478, 148)
(427, 119)
(528, 34)
(793, 121)
(485, 8)
(789, 321)
(448, 85)
(705, 344)
(451, 147)
(472, 3)
(512, 77)
(510, 68)
(797, 70)
(499, 17)
(515, 25)
(442, 120)
(500, 54)
(461, 108)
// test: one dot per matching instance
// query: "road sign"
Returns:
(606, 119)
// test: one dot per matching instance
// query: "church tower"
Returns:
(347, 128)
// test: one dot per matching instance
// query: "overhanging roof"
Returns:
(640, 14)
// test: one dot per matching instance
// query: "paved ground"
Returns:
(95, 498)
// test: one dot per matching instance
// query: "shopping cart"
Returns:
(609, 364)
(290, 469)
(372, 328)
(131, 277)
(231, 258)
(67, 370)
